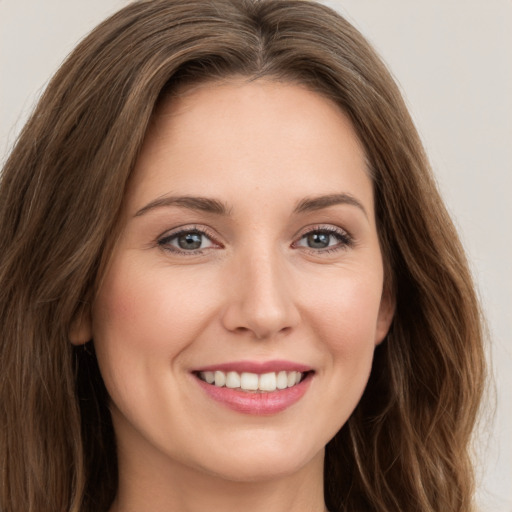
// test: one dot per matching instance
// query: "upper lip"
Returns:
(256, 367)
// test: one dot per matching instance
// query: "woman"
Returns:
(228, 280)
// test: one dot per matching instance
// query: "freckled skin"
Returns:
(255, 290)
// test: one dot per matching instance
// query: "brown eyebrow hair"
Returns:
(319, 202)
(217, 207)
(205, 204)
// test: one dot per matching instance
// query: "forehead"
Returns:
(274, 139)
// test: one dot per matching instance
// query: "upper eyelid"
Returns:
(331, 228)
(187, 228)
(208, 232)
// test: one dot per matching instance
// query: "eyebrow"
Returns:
(310, 204)
(204, 204)
(217, 207)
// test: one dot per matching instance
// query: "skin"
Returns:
(255, 290)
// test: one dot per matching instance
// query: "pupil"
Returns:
(190, 241)
(318, 240)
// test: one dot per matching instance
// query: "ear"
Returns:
(386, 314)
(80, 331)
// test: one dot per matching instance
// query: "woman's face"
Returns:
(248, 254)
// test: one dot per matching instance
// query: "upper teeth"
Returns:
(252, 381)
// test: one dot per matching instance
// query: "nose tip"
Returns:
(261, 302)
(262, 320)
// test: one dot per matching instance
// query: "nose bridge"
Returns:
(261, 299)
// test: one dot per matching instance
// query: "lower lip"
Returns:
(260, 404)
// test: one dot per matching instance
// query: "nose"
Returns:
(261, 299)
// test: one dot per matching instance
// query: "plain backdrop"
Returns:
(453, 61)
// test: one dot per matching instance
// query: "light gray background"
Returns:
(453, 60)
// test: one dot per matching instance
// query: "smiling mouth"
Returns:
(253, 382)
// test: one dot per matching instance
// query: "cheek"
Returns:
(140, 316)
(345, 311)
(343, 319)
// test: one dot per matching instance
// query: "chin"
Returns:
(263, 463)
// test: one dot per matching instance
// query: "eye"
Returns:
(325, 238)
(186, 241)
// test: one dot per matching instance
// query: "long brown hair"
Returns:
(406, 446)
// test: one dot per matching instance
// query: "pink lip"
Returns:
(256, 367)
(257, 403)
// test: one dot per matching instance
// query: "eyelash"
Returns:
(345, 240)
